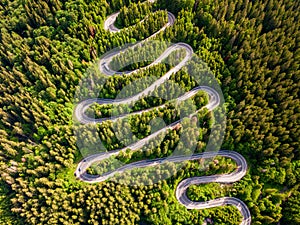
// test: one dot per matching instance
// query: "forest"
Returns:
(48, 47)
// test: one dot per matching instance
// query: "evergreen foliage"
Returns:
(46, 47)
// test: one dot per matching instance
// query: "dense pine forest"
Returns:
(47, 47)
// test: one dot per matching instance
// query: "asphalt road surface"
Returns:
(214, 101)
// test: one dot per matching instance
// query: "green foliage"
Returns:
(291, 210)
(133, 14)
(205, 192)
(6, 217)
(47, 46)
(177, 5)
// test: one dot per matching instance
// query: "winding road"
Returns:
(214, 101)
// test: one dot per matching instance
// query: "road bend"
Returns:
(214, 101)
